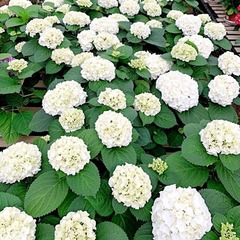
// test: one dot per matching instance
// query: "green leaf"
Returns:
(233, 216)
(217, 221)
(129, 113)
(125, 52)
(143, 214)
(230, 161)
(74, 74)
(9, 200)
(144, 232)
(14, 22)
(45, 231)
(192, 3)
(21, 122)
(194, 152)
(64, 207)
(42, 54)
(144, 73)
(5, 55)
(112, 157)
(132, 39)
(224, 43)
(119, 208)
(217, 202)
(210, 236)
(172, 28)
(192, 129)
(30, 47)
(175, 138)
(156, 38)
(199, 61)
(9, 85)
(124, 25)
(18, 189)
(144, 136)
(52, 67)
(45, 194)
(3, 187)
(160, 137)
(86, 182)
(55, 130)
(110, 231)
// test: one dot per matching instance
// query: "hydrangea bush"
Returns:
(137, 134)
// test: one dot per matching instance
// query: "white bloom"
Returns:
(20, 3)
(129, 7)
(130, 185)
(215, 31)
(16, 224)
(47, 8)
(118, 17)
(72, 119)
(68, 154)
(152, 8)
(19, 46)
(223, 89)
(140, 30)
(179, 90)
(52, 19)
(2, 30)
(142, 54)
(104, 24)
(104, 41)
(113, 98)
(37, 25)
(181, 214)
(189, 24)
(108, 3)
(229, 63)
(184, 52)
(97, 68)
(114, 129)
(62, 55)
(84, 3)
(5, 9)
(17, 65)
(147, 103)
(19, 161)
(51, 38)
(57, 3)
(76, 225)
(64, 8)
(65, 95)
(76, 18)
(205, 18)
(221, 137)
(80, 58)
(85, 39)
(174, 14)
(154, 24)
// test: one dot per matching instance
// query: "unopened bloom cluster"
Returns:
(37, 25)
(104, 41)
(19, 46)
(223, 89)
(140, 30)
(221, 137)
(19, 161)
(205, 18)
(16, 224)
(114, 129)
(80, 58)
(76, 18)
(180, 213)
(189, 24)
(62, 55)
(158, 165)
(104, 24)
(65, 95)
(113, 98)
(174, 14)
(129, 7)
(179, 90)
(17, 65)
(130, 185)
(215, 31)
(227, 232)
(68, 154)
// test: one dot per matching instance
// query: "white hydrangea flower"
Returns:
(20, 3)
(140, 30)
(152, 8)
(184, 52)
(154, 24)
(37, 25)
(221, 137)
(97, 68)
(52, 19)
(65, 95)
(19, 46)
(2, 30)
(76, 18)
(80, 58)
(17, 65)
(113, 98)
(205, 18)
(215, 31)
(147, 103)
(204, 45)
(5, 9)
(76, 225)
(104, 41)
(19, 161)
(72, 119)
(62, 55)
(189, 24)
(51, 38)
(68, 154)
(104, 24)
(223, 89)
(84, 3)
(85, 39)
(118, 17)
(142, 54)
(130, 185)
(180, 213)
(174, 14)
(107, 4)
(179, 90)
(16, 224)
(57, 3)
(64, 8)
(129, 7)
(229, 63)
(114, 129)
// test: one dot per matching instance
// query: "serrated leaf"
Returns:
(42, 54)
(156, 38)
(144, 232)
(45, 231)
(233, 216)
(146, 119)
(210, 236)
(21, 122)
(30, 47)
(224, 43)
(217, 221)
(119, 208)
(230, 161)
(199, 61)
(9, 200)
(144, 213)
(74, 74)
(52, 67)
(64, 207)
(192, 129)
(9, 85)
(129, 113)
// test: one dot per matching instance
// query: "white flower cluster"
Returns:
(205, 18)
(129, 7)
(174, 14)
(147, 103)
(140, 30)
(97, 68)
(221, 137)
(76, 18)
(104, 24)
(19, 161)
(118, 17)
(152, 8)
(57, 3)
(51, 38)
(6, 10)
(80, 58)
(20, 3)
(72, 119)
(104, 41)
(62, 55)
(154, 24)
(65, 95)
(107, 4)
(215, 31)
(85, 39)
(229, 63)
(64, 8)
(19, 46)
(189, 24)
(179, 90)
(52, 19)
(180, 213)
(76, 225)
(204, 45)
(2, 30)
(37, 25)
(113, 98)
(114, 129)
(16, 224)
(223, 89)
(130, 185)
(68, 154)
(84, 3)
(17, 65)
